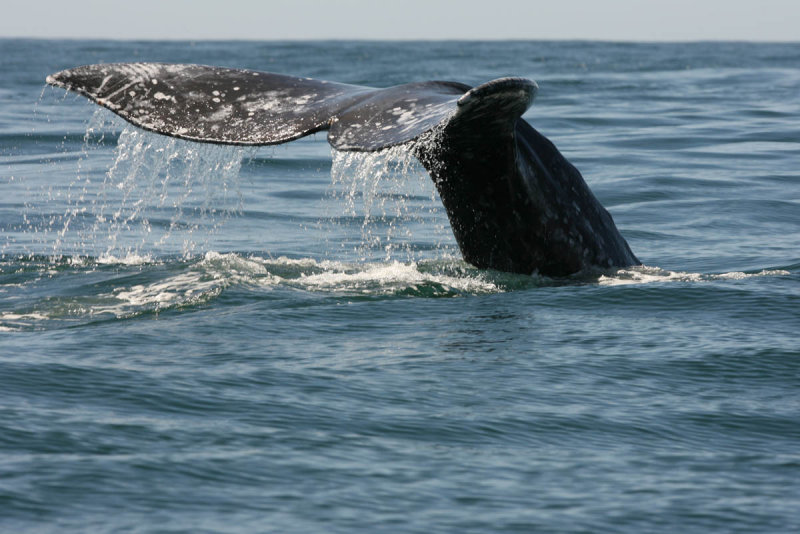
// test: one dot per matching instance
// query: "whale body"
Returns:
(514, 202)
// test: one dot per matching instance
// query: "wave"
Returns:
(42, 293)
(136, 285)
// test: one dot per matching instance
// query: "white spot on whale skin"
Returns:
(302, 100)
(161, 96)
(222, 114)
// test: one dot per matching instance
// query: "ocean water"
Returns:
(217, 339)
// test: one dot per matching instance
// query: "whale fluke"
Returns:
(244, 107)
(514, 202)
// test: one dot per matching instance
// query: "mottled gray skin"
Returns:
(514, 202)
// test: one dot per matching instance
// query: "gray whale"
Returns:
(514, 202)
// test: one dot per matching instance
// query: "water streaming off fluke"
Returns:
(392, 195)
(158, 195)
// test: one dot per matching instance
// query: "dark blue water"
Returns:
(215, 339)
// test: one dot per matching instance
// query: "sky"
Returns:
(617, 20)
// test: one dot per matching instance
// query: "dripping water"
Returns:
(151, 195)
(136, 194)
(390, 196)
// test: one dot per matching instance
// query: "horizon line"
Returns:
(405, 39)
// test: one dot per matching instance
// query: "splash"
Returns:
(157, 195)
(185, 284)
(389, 194)
(394, 278)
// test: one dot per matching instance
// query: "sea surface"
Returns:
(197, 338)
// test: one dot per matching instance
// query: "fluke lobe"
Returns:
(514, 202)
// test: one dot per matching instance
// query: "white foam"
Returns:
(742, 276)
(131, 258)
(648, 275)
(204, 281)
(14, 322)
(181, 289)
(389, 278)
(11, 316)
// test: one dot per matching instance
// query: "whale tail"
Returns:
(514, 202)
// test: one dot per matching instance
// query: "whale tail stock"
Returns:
(514, 203)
